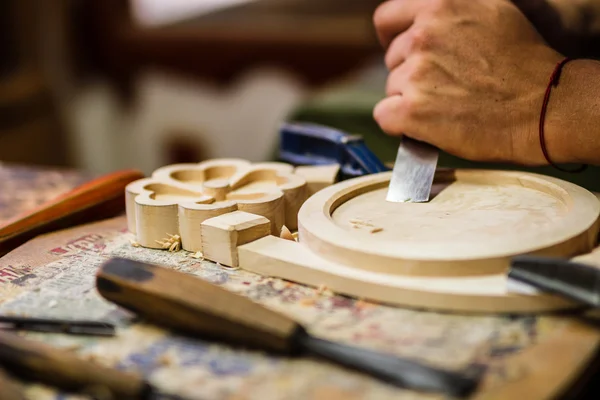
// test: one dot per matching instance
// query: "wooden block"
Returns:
(222, 235)
(318, 176)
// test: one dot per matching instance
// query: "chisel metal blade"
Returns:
(413, 172)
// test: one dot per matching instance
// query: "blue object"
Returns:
(304, 143)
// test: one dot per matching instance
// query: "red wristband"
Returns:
(553, 83)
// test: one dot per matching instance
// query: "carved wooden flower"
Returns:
(171, 205)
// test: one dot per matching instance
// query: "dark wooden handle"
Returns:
(100, 198)
(8, 389)
(41, 363)
(191, 305)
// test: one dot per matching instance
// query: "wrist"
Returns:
(571, 118)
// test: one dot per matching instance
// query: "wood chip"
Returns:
(375, 230)
(286, 234)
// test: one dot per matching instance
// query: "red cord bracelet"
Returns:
(553, 83)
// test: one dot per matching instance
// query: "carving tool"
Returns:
(101, 198)
(303, 143)
(196, 307)
(413, 172)
(73, 327)
(574, 280)
(35, 361)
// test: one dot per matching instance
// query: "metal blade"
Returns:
(413, 173)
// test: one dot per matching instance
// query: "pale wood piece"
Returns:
(318, 176)
(222, 235)
(271, 182)
(476, 221)
(176, 199)
(192, 215)
(293, 261)
(504, 210)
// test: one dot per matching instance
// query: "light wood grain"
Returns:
(293, 261)
(318, 176)
(476, 221)
(222, 235)
(176, 199)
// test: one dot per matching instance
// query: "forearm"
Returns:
(569, 26)
(572, 125)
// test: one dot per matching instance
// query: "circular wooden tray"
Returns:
(474, 223)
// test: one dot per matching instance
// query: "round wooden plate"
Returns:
(474, 223)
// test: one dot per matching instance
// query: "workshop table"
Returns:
(524, 357)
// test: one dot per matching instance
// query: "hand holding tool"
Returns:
(100, 198)
(74, 327)
(303, 143)
(191, 305)
(38, 362)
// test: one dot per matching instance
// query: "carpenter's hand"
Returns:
(467, 76)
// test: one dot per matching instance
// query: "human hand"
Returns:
(467, 76)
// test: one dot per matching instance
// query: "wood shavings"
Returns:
(134, 243)
(172, 243)
(198, 255)
(286, 234)
(325, 291)
(358, 224)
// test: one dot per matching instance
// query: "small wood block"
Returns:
(318, 176)
(222, 235)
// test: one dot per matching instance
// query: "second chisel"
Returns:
(194, 306)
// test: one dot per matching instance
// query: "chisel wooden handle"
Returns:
(41, 363)
(191, 305)
(8, 389)
(100, 198)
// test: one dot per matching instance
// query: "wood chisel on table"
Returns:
(577, 279)
(193, 306)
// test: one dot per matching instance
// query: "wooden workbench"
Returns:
(530, 358)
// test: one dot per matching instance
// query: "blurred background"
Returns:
(106, 84)
(100, 85)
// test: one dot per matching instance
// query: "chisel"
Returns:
(577, 279)
(100, 198)
(191, 305)
(35, 361)
(413, 173)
